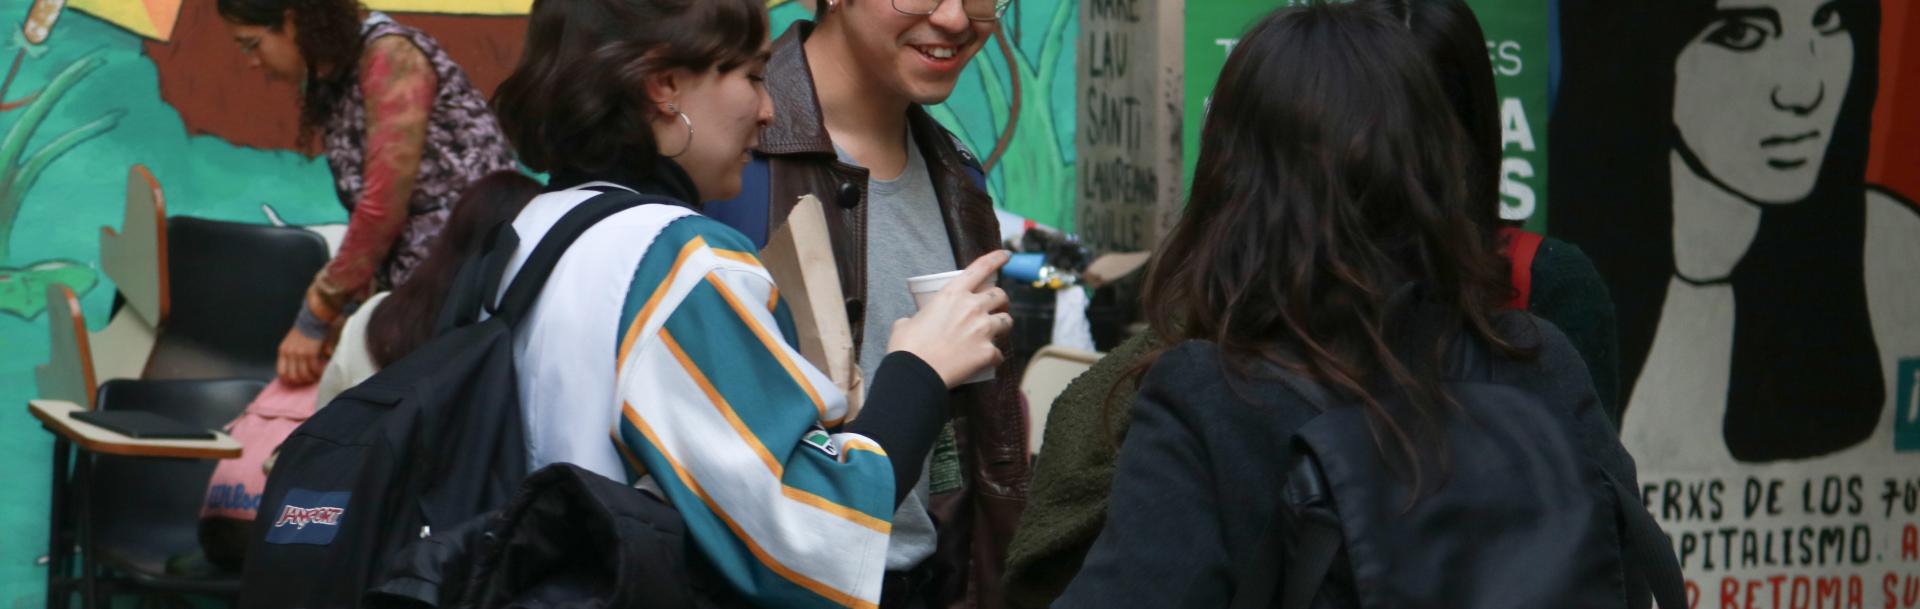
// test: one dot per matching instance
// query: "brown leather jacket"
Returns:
(976, 523)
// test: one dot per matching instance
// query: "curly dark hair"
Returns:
(328, 34)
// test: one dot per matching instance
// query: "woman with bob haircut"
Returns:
(660, 352)
(1067, 501)
(1330, 242)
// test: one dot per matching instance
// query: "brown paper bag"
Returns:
(800, 257)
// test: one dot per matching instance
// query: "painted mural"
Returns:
(22, 288)
(1740, 172)
(81, 106)
(99, 85)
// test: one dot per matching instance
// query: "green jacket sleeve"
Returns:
(1067, 499)
(1568, 291)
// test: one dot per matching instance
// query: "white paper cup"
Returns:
(923, 288)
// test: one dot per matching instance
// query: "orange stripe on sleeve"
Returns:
(817, 587)
(759, 448)
(720, 404)
(777, 348)
(633, 462)
(653, 302)
(740, 257)
(849, 514)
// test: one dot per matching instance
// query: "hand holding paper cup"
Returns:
(960, 315)
(925, 287)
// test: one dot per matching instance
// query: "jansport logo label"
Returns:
(308, 517)
(300, 517)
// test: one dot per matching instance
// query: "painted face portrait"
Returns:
(1728, 209)
(1758, 91)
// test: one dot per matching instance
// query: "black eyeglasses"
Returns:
(977, 10)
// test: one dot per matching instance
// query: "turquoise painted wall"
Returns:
(59, 223)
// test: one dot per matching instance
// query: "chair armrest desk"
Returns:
(65, 529)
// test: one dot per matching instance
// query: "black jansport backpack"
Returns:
(431, 441)
(1526, 518)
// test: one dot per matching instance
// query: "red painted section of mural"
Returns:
(1896, 124)
(205, 78)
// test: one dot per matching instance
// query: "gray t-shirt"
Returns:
(906, 237)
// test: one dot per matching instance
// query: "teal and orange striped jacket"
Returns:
(660, 351)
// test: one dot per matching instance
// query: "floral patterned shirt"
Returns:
(398, 183)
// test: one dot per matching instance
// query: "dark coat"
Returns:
(1073, 477)
(1191, 530)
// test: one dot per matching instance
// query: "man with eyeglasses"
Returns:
(903, 198)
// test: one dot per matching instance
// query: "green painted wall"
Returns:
(59, 222)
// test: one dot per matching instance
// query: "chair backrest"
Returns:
(135, 257)
(68, 373)
(148, 509)
(235, 289)
(1047, 375)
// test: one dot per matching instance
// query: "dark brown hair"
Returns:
(406, 319)
(1455, 44)
(577, 100)
(328, 36)
(1330, 181)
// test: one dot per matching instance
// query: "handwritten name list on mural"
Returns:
(1839, 541)
(1128, 173)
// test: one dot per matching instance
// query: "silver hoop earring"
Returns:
(684, 119)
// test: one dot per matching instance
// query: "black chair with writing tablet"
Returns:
(129, 498)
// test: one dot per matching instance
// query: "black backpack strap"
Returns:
(1317, 536)
(1647, 552)
(478, 280)
(1317, 541)
(1307, 569)
(527, 283)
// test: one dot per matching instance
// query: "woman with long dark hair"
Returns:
(1712, 159)
(1561, 284)
(1067, 500)
(1331, 240)
(402, 129)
